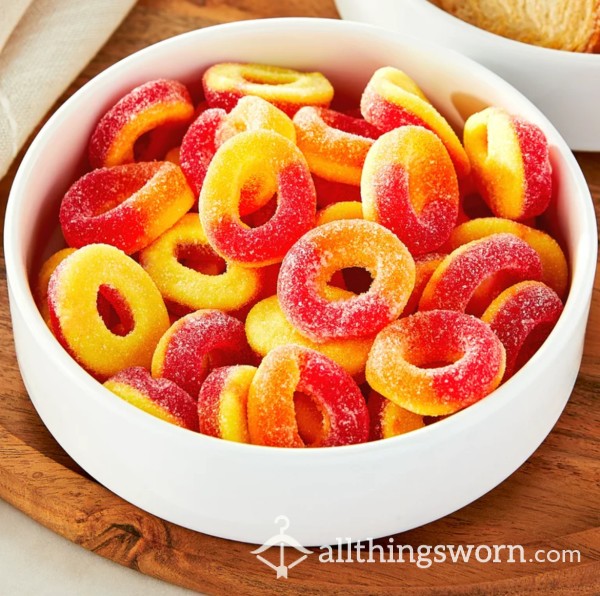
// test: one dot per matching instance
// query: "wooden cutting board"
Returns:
(551, 502)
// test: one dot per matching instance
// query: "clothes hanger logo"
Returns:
(283, 542)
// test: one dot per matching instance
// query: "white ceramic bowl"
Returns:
(233, 490)
(564, 85)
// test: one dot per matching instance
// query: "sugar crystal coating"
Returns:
(409, 186)
(75, 321)
(340, 417)
(311, 262)
(436, 362)
(126, 206)
(145, 108)
(159, 397)
(287, 89)
(511, 163)
(195, 344)
(536, 307)
(388, 419)
(222, 403)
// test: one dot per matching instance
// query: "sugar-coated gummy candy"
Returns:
(159, 397)
(126, 206)
(436, 362)
(99, 269)
(301, 398)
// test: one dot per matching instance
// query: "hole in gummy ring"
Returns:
(357, 279)
(200, 259)
(310, 419)
(114, 311)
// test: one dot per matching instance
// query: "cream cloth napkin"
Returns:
(44, 44)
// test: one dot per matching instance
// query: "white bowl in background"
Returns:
(233, 490)
(564, 85)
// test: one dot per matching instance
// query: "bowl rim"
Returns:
(22, 298)
(489, 38)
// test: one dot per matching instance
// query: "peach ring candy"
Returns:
(511, 163)
(190, 274)
(73, 292)
(522, 317)
(160, 397)
(455, 281)
(425, 265)
(335, 145)
(126, 206)
(311, 262)
(222, 403)
(329, 192)
(392, 99)
(196, 343)
(409, 186)
(389, 419)
(144, 109)
(46, 271)
(289, 90)
(301, 398)
(215, 126)
(436, 362)
(254, 113)
(555, 271)
(256, 154)
(267, 328)
(341, 210)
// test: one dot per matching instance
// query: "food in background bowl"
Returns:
(196, 480)
(571, 25)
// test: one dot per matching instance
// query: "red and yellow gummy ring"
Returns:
(193, 288)
(75, 321)
(222, 403)
(256, 154)
(126, 206)
(311, 262)
(289, 90)
(409, 186)
(436, 362)
(143, 109)
(332, 404)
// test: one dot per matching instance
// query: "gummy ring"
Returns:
(555, 271)
(196, 288)
(392, 99)
(335, 145)
(267, 328)
(522, 317)
(73, 292)
(425, 265)
(43, 279)
(341, 210)
(409, 186)
(454, 282)
(310, 263)
(143, 109)
(224, 84)
(215, 126)
(200, 341)
(467, 356)
(388, 419)
(330, 410)
(222, 403)
(126, 206)
(511, 163)
(256, 154)
(159, 397)
(254, 113)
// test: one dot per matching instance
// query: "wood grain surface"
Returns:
(551, 502)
